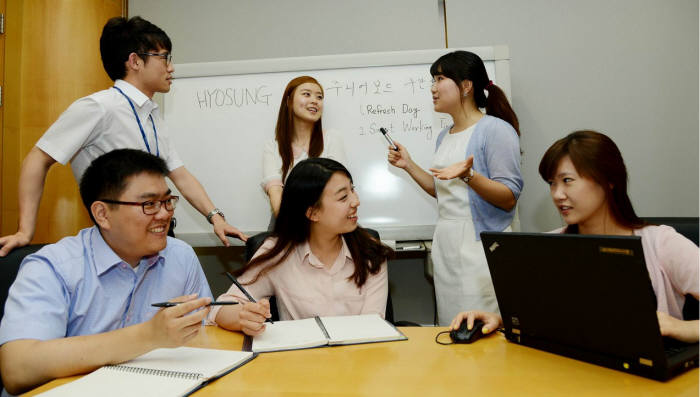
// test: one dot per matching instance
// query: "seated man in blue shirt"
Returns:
(86, 301)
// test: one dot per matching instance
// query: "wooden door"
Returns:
(52, 58)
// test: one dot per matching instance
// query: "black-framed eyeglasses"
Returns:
(167, 56)
(150, 207)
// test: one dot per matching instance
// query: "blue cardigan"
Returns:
(496, 150)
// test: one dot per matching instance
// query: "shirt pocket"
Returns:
(300, 303)
(349, 303)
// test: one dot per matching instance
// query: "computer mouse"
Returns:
(463, 335)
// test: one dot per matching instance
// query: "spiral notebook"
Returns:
(161, 372)
(323, 331)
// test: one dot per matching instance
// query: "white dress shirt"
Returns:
(102, 122)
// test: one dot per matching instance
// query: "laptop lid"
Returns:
(583, 296)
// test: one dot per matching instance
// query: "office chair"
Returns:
(254, 242)
(688, 227)
(9, 267)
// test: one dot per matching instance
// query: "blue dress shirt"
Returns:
(79, 286)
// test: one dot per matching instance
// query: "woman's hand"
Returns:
(459, 169)
(492, 321)
(252, 317)
(684, 331)
(399, 158)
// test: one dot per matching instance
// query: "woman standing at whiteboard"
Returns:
(475, 176)
(298, 136)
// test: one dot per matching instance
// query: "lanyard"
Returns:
(138, 121)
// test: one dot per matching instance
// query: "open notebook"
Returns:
(161, 372)
(323, 331)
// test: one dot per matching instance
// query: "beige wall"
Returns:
(628, 68)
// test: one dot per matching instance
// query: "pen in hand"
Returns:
(240, 287)
(388, 138)
(171, 304)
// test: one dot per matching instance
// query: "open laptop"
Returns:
(583, 296)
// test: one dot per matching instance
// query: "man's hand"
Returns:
(13, 241)
(223, 229)
(173, 326)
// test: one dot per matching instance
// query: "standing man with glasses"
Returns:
(85, 301)
(136, 55)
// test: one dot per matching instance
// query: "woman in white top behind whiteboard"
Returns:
(475, 176)
(298, 135)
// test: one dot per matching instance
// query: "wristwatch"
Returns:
(214, 212)
(469, 176)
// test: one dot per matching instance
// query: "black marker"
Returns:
(388, 138)
(171, 304)
(240, 287)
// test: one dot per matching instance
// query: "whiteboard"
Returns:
(220, 115)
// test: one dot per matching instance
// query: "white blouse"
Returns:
(333, 148)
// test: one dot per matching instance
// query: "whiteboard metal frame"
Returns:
(499, 54)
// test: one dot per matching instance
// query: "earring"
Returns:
(465, 94)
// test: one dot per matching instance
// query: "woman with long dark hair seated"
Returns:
(588, 184)
(317, 261)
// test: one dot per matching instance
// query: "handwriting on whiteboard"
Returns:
(231, 96)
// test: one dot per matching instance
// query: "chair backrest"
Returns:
(251, 247)
(254, 243)
(688, 227)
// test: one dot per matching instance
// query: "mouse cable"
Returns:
(501, 330)
(442, 343)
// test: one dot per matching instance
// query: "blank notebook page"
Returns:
(161, 372)
(207, 362)
(358, 329)
(292, 334)
(106, 382)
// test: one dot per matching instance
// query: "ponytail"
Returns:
(463, 65)
(497, 105)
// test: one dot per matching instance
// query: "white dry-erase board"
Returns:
(220, 115)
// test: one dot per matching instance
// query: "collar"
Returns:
(304, 251)
(136, 96)
(105, 258)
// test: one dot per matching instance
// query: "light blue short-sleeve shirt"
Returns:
(79, 286)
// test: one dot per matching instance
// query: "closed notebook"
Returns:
(323, 331)
(161, 372)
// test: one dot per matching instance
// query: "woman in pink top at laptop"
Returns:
(588, 185)
(317, 262)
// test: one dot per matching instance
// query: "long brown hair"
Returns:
(284, 131)
(463, 65)
(302, 191)
(595, 156)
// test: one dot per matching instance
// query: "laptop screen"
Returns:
(580, 292)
